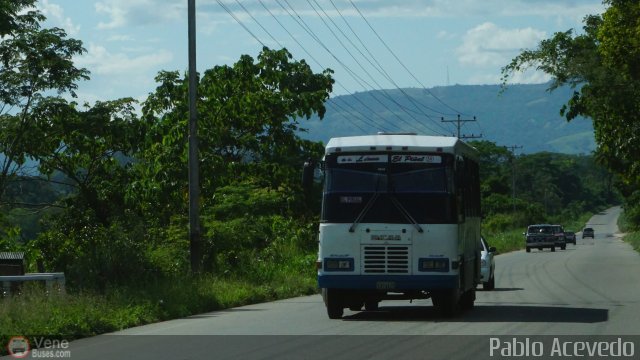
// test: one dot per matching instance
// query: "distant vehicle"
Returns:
(558, 232)
(540, 236)
(570, 237)
(487, 265)
(588, 232)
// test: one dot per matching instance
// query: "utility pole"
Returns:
(194, 180)
(512, 149)
(459, 122)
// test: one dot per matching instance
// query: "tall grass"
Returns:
(632, 236)
(76, 315)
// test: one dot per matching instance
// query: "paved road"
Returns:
(590, 291)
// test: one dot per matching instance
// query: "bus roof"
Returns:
(399, 143)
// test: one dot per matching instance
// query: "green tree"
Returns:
(91, 148)
(248, 119)
(603, 67)
(34, 63)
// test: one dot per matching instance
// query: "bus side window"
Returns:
(460, 189)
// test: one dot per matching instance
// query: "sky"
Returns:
(369, 44)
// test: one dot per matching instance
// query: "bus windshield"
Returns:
(411, 181)
(422, 184)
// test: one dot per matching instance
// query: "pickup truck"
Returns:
(561, 241)
(540, 236)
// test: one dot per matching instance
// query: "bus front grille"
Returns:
(385, 259)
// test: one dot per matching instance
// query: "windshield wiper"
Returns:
(364, 211)
(404, 212)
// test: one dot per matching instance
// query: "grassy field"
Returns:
(76, 315)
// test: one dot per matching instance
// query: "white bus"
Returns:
(400, 220)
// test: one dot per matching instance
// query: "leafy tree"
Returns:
(34, 63)
(495, 168)
(91, 148)
(247, 122)
(603, 67)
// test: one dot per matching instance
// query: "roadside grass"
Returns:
(632, 235)
(633, 238)
(33, 313)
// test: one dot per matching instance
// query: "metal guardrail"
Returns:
(53, 281)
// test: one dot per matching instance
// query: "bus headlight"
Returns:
(434, 264)
(338, 264)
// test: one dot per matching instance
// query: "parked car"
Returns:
(558, 232)
(487, 265)
(588, 232)
(570, 237)
(540, 236)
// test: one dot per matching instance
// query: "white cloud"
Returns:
(443, 34)
(100, 61)
(454, 8)
(120, 38)
(123, 13)
(55, 14)
(490, 45)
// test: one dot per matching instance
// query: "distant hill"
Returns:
(524, 115)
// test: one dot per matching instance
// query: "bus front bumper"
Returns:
(389, 282)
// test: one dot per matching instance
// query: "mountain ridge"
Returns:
(526, 115)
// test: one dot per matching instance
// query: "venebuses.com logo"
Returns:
(18, 347)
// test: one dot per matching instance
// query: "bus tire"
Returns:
(447, 302)
(334, 303)
(467, 299)
(553, 249)
(371, 305)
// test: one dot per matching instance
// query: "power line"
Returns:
(222, 5)
(321, 66)
(369, 59)
(355, 76)
(400, 61)
(379, 66)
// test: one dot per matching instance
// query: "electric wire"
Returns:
(382, 92)
(355, 76)
(400, 61)
(376, 125)
(380, 126)
(379, 67)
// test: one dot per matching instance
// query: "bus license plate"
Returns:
(385, 285)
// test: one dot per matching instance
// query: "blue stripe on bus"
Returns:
(400, 282)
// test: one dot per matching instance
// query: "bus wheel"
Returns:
(467, 299)
(371, 305)
(528, 249)
(553, 249)
(333, 300)
(447, 302)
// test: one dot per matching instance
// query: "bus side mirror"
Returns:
(308, 171)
